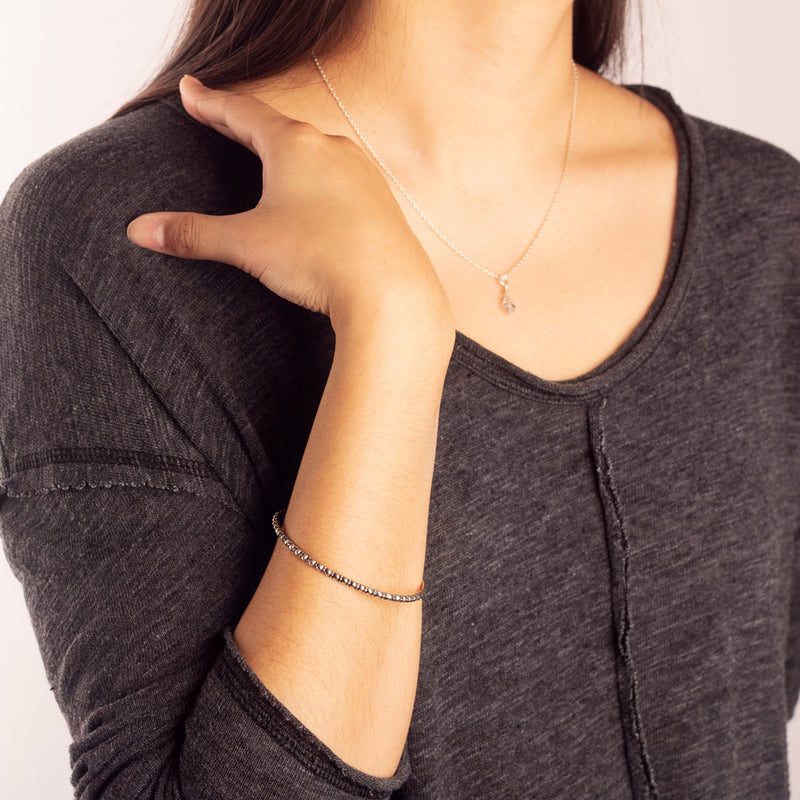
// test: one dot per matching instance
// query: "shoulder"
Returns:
(63, 222)
(732, 154)
(738, 155)
(745, 178)
(130, 349)
(762, 174)
(153, 157)
(749, 199)
(744, 192)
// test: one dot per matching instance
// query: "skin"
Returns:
(483, 159)
(329, 235)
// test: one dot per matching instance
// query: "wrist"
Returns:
(415, 338)
(403, 319)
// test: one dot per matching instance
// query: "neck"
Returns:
(464, 83)
(461, 92)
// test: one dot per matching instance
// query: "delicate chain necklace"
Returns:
(501, 278)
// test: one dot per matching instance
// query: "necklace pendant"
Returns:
(508, 303)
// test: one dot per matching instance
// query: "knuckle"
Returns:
(347, 144)
(301, 128)
(343, 140)
(181, 236)
(254, 263)
(305, 136)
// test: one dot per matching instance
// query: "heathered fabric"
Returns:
(613, 568)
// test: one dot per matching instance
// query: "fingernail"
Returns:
(133, 230)
(147, 231)
(191, 81)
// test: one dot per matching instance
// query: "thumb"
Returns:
(187, 235)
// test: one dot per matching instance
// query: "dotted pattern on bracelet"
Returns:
(277, 520)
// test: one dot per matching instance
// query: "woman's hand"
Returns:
(326, 234)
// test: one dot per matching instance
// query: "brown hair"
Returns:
(225, 41)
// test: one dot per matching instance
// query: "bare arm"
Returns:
(344, 663)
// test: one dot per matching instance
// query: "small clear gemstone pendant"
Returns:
(508, 304)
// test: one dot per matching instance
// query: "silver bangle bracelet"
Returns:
(277, 520)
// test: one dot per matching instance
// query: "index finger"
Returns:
(240, 117)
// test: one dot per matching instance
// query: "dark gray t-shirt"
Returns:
(613, 566)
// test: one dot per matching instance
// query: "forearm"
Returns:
(343, 662)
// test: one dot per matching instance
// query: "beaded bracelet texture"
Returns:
(277, 520)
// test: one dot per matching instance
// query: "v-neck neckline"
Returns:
(645, 337)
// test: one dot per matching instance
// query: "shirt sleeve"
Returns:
(132, 591)
(135, 557)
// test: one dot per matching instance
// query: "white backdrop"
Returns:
(67, 66)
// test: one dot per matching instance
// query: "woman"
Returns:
(584, 425)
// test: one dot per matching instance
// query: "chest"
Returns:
(584, 286)
(558, 523)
